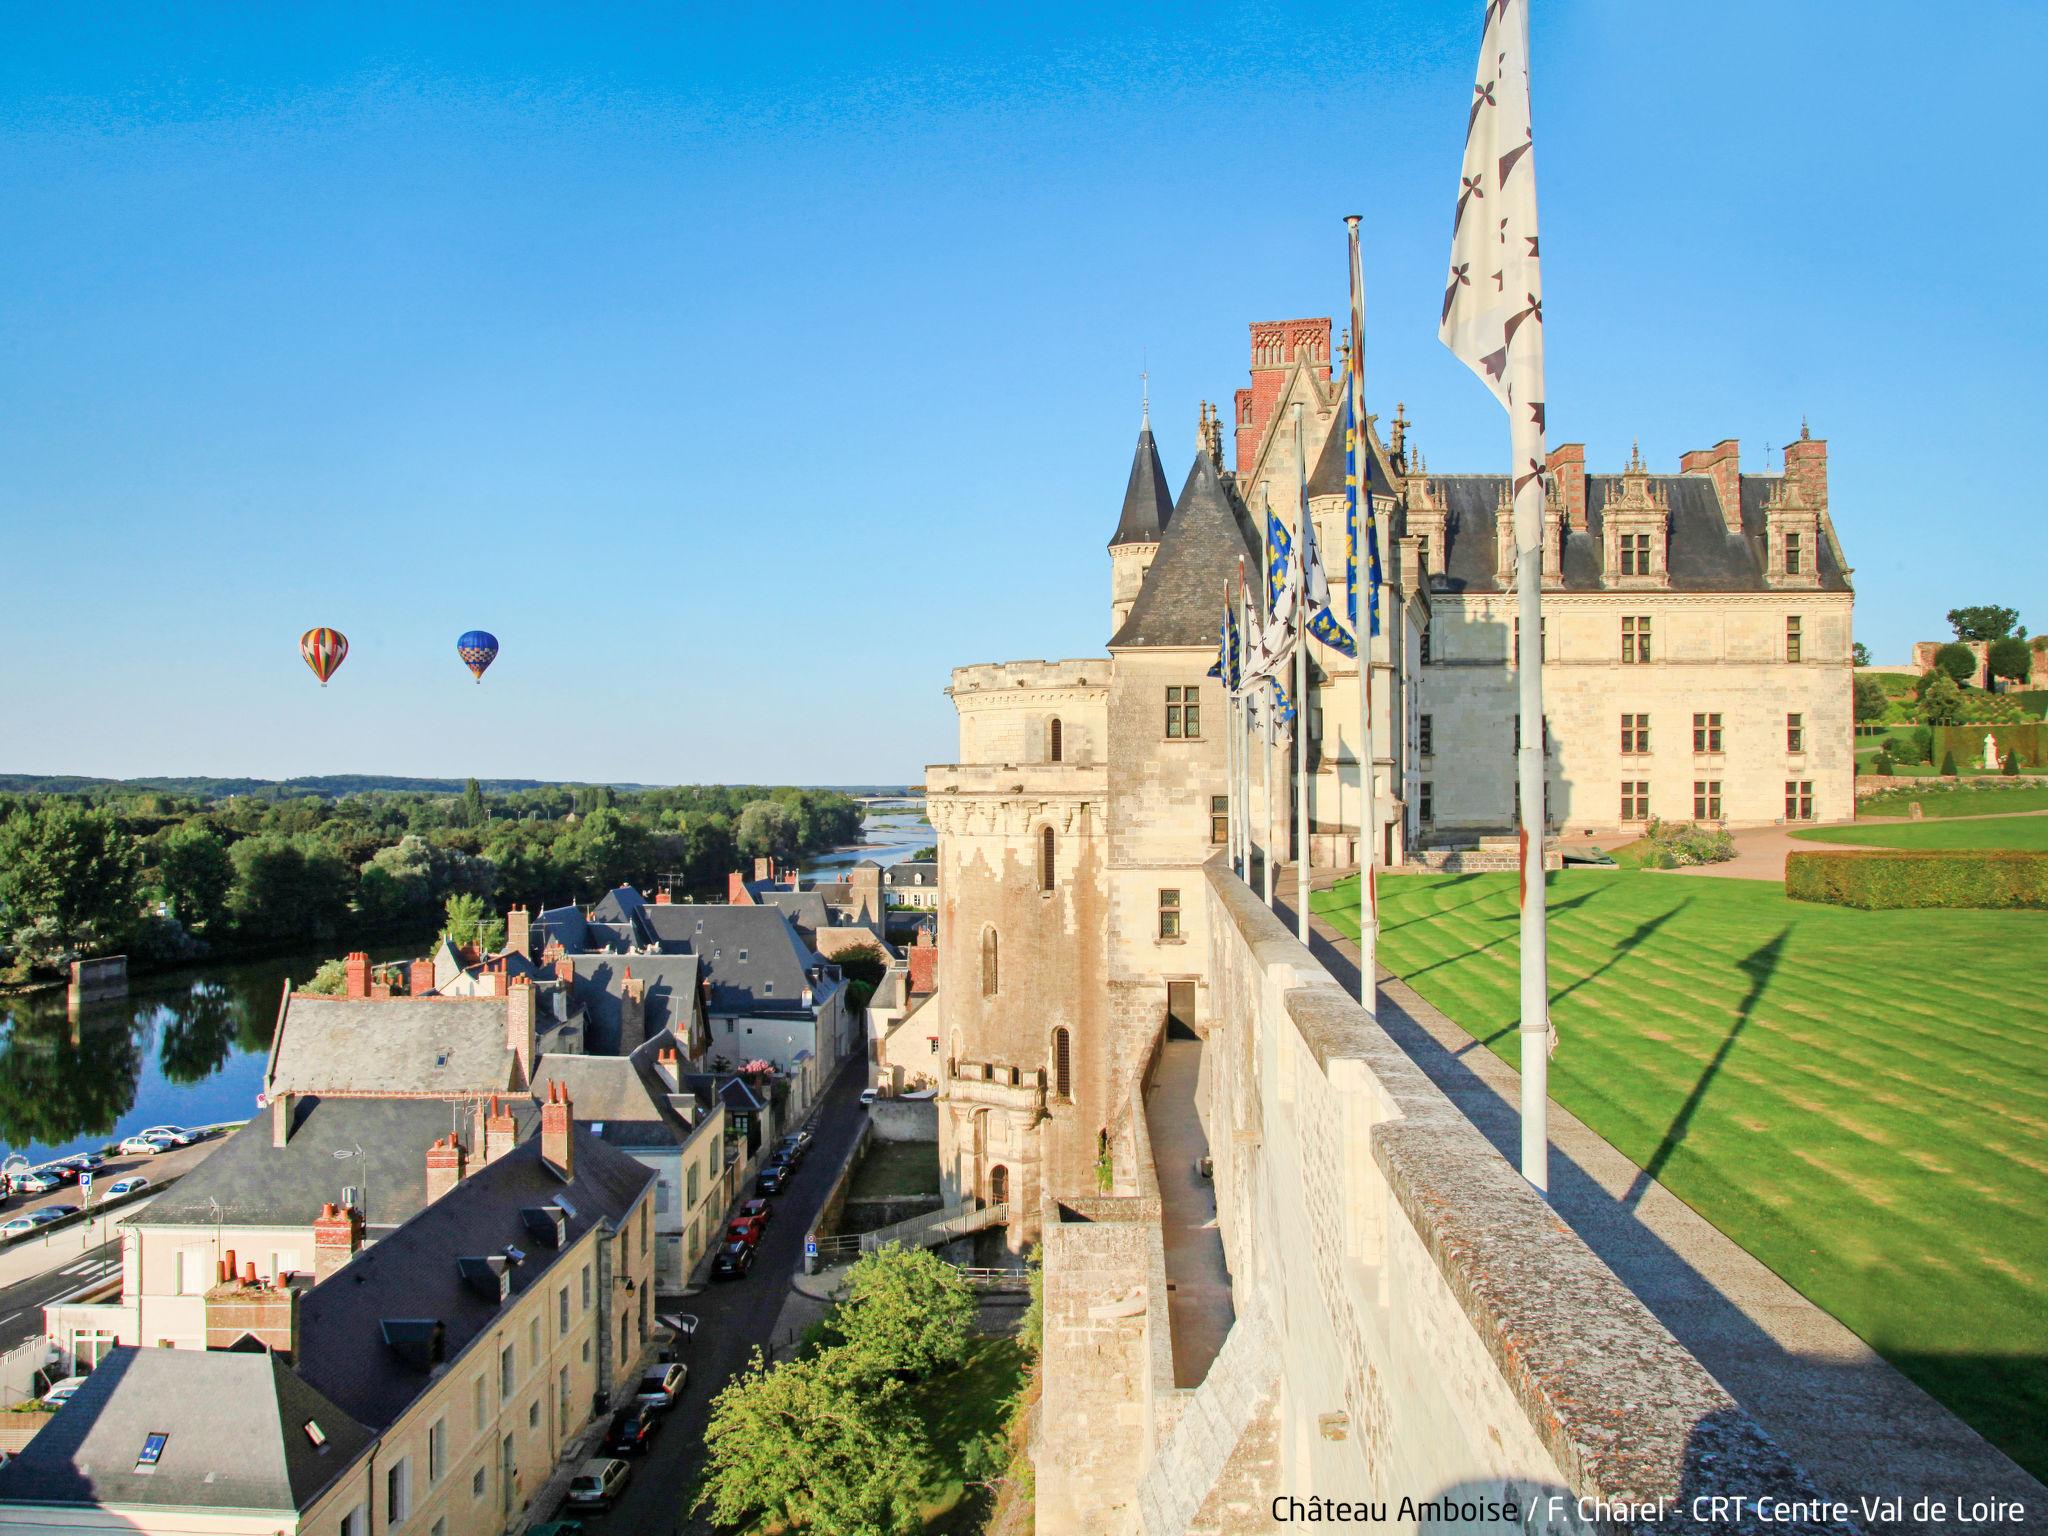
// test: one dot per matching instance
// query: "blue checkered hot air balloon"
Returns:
(478, 649)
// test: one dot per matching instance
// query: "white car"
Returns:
(145, 1145)
(134, 1183)
(869, 1095)
(60, 1394)
(177, 1135)
(38, 1181)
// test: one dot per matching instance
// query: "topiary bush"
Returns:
(1948, 765)
(1957, 660)
(1895, 878)
(1883, 763)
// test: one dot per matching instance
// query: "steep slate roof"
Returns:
(773, 976)
(564, 925)
(236, 1424)
(906, 874)
(1147, 510)
(248, 1182)
(1181, 600)
(806, 909)
(432, 1045)
(412, 1273)
(1327, 478)
(1702, 556)
(600, 978)
(625, 1095)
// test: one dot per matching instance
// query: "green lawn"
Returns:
(2030, 832)
(1965, 800)
(1858, 1098)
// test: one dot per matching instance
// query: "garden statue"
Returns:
(1991, 759)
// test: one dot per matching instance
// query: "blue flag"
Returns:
(1357, 473)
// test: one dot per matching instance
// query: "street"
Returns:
(21, 1304)
(733, 1317)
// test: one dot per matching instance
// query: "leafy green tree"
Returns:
(2011, 766)
(287, 892)
(331, 980)
(1871, 702)
(68, 882)
(1859, 654)
(1942, 702)
(473, 813)
(2010, 658)
(817, 1445)
(196, 875)
(470, 922)
(1983, 621)
(907, 1312)
(1957, 660)
(767, 829)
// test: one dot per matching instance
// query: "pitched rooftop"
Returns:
(448, 1047)
(1147, 509)
(1181, 600)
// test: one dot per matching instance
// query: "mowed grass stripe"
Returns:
(1876, 1131)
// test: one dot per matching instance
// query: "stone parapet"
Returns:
(1007, 779)
(1009, 676)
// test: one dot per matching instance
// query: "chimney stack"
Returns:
(1723, 462)
(736, 893)
(336, 1237)
(924, 964)
(558, 1133)
(282, 1107)
(668, 1066)
(519, 932)
(1568, 474)
(662, 897)
(244, 1307)
(764, 869)
(1806, 463)
(520, 1015)
(632, 1013)
(501, 1131)
(500, 981)
(358, 969)
(565, 970)
(419, 978)
(445, 1160)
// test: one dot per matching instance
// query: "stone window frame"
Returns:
(1183, 712)
(1795, 638)
(1706, 733)
(1425, 802)
(1635, 800)
(1799, 800)
(1425, 735)
(1056, 737)
(1635, 734)
(1061, 1051)
(991, 961)
(1706, 800)
(1048, 860)
(1636, 649)
(1219, 820)
(1169, 930)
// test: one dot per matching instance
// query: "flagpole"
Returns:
(1301, 702)
(1266, 711)
(1241, 787)
(1230, 804)
(1364, 626)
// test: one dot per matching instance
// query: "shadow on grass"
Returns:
(1512, 933)
(1760, 964)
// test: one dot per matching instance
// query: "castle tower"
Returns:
(1147, 508)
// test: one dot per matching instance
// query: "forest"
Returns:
(168, 876)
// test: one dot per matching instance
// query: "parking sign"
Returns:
(810, 1248)
(85, 1181)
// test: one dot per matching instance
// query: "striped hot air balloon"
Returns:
(478, 649)
(325, 650)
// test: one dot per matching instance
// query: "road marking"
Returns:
(76, 1268)
(10, 1317)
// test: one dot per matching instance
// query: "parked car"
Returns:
(732, 1261)
(791, 1151)
(632, 1431)
(773, 1178)
(50, 1213)
(869, 1095)
(38, 1181)
(744, 1229)
(128, 1186)
(682, 1324)
(177, 1135)
(83, 1162)
(20, 1226)
(145, 1146)
(660, 1385)
(760, 1208)
(60, 1392)
(599, 1481)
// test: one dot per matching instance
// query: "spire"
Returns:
(1209, 534)
(1145, 387)
(1146, 504)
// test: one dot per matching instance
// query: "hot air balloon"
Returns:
(478, 649)
(324, 649)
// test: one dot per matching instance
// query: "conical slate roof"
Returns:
(1181, 600)
(1146, 508)
(1327, 478)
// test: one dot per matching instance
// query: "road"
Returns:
(732, 1318)
(21, 1304)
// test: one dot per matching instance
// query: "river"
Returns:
(892, 832)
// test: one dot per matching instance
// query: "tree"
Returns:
(1983, 621)
(1942, 703)
(907, 1313)
(767, 829)
(68, 882)
(1957, 660)
(473, 813)
(1871, 700)
(1859, 654)
(195, 874)
(2010, 658)
(469, 922)
(813, 1443)
(284, 891)
(2011, 766)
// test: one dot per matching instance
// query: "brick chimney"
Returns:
(1723, 461)
(241, 1306)
(662, 897)
(632, 1013)
(501, 1131)
(764, 869)
(519, 932)
(336, 1237)
(500, 981)
(1806, 463)
(924, 964)
(565, 970)
(358, 968)
(419, 978)
(520, 1014)
(668, 1066)
(1275, 343)
(1568, 474)
(283, 1107)
(445, 1160)
(736, 893)
(558, 1133)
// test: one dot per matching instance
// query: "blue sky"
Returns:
(746, 373)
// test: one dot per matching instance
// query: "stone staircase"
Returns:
(1214, 1471)
(1488, 855)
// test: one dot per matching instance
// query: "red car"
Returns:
(753, 1208)
(745, 1229)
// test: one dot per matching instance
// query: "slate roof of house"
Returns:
(447, 1046)
(806, 909)
(236, 1436)
(624, 1095)
(773, 976)
(1181, 599)
(564, 925)
(377, 1145)
(912, 873)
(412, 1273)
(600, 978)
(1702, 555)
(1147, 508)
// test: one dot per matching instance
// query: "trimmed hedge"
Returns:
(1877, 881)
(2028, 738)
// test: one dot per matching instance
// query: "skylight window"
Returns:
(152, 1450)
(743, 957)
(316, 1434)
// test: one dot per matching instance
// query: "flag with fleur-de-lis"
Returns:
(1493, 295)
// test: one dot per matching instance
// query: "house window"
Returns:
(1635, 554)
(1045, 858)
(1427, 658)
(1706, 733)
(1057, 741)
(437, 1452)
(1425, 735)
(1542, 639)
(1799, 799)
(562, 1311)
(476, 1483)
(989, 977)
(1428, 807)
(356, 1522)
(1635, 735)
(1635, 638)
(1792, 554)
(743, 957)
(1219, 819)
(767, 990)
(586, 1287)
(1795, 733)
(533, 1408)
(1062, 1064)
(1706, 799)
(533, 1337)
(477, 1395)
(562, 1394)
(1184, 712)
(1635, 800)
(1792, 638)
(398, 1491)
(506, 1372)
(1169, 914)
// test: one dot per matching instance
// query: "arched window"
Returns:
(988, 962)
(998, 1184)
(1062, 1064)
(1058, 740)
(1045, 852)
